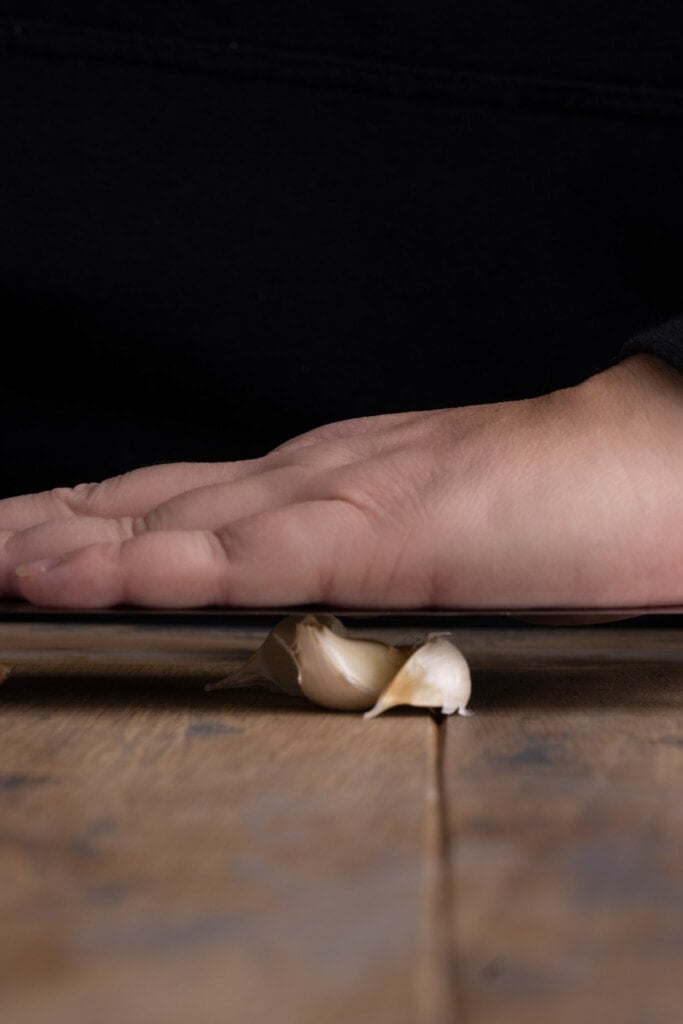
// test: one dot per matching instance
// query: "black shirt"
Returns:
(248, 219)
(663, 340)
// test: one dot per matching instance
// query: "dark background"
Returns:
(223, 224)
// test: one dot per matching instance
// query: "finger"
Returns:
(54, 538)
(205, 508)
(131, 494)
(8, 584)
(209, 508)
(311, 552)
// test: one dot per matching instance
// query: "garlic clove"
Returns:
(341, 672)
(435, 675)
(313, 656)
(275, 661)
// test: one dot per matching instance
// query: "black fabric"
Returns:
(247, 219)
(663, 340)
(623, 42)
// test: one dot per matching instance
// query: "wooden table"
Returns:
(187, 857)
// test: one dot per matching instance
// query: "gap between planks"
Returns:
(438, 992)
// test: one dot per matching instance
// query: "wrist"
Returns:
(639, 383)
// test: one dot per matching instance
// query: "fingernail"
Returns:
(36, 568)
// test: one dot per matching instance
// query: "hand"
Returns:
(573, 499)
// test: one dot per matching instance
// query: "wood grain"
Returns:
(172, 855)
(168, 854)
(565, 825)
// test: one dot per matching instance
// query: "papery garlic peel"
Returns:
(274, 661)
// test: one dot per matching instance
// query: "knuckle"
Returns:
(151, 521)
(91, 498)
(71, 499)
(362, 491)
(126, 527)
(229, 542)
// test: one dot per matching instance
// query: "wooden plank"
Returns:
(565, 835)
(58, 648)
(171, 855)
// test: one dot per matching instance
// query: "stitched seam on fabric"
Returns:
(350, 74)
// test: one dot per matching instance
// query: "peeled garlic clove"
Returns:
(341, 672)
(436, 675)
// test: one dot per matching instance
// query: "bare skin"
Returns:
(574, 499)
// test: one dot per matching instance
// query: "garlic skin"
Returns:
(274, 661)
(436, 675)
(340, 672)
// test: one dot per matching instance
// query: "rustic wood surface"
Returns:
(565, 847)
(169, 854)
